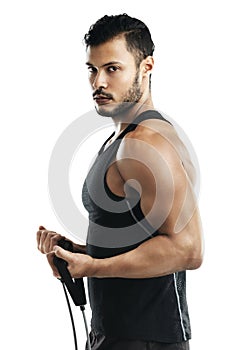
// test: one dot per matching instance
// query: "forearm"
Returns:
(156, 257)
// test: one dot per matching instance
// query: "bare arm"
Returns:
(159, 256)
(169, 204)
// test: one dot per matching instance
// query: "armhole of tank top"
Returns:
(147, 115)
(152, 114)
(111, 194)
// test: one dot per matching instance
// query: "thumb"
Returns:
(62, 253)
(42, 228)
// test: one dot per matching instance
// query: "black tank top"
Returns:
(150, 309)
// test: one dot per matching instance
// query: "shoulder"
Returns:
(152, 134)
(155, 143)
(152, 128)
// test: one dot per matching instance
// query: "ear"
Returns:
(147, 65)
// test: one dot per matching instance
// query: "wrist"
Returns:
(101, 268)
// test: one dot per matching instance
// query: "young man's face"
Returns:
(114, 77)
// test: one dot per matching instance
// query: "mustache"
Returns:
(102, 93)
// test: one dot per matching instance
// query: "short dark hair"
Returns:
(136, 33)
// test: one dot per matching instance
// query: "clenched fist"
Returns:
(47, 239)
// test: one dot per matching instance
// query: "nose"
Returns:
(100, 80)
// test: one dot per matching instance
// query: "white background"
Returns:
(201, 80)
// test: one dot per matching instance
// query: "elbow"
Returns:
(195, 259)
(193, 254)
(195, 263)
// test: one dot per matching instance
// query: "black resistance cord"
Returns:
(82, 308)
(73, 286)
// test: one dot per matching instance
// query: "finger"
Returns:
(38, 238)
(42, 241)
(49, 238)
(41, 236)
(38, 235)
(54, 240)
(45, 237)
(63, 254)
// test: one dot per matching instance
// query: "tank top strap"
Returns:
(104, 144)
(149, 114)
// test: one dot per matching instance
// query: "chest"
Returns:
(104, 180)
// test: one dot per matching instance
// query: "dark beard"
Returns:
(131, 97)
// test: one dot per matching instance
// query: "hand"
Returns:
(46, 240)
(79, 265)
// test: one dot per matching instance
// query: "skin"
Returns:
(154, 156)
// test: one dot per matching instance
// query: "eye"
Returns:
(112, 69)
(92, 69)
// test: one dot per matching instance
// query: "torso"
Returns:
(152, 309)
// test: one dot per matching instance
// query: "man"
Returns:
(144, 226)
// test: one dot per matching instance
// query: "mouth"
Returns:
(102, 100)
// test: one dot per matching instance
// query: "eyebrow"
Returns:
(104, 65)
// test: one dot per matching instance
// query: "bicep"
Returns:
(156, 171)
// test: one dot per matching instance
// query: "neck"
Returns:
(122, 122)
